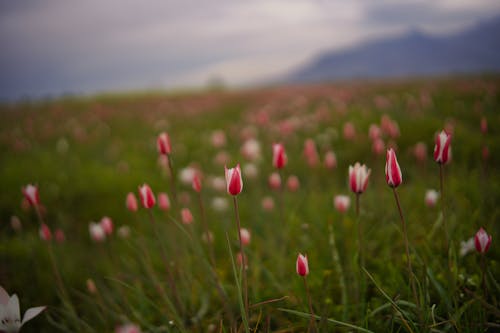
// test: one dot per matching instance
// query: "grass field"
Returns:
(86, 154)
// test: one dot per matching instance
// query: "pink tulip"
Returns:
(349, 131)
(393, 174)
(128, 328)
(293, 183)
(268, 203)
(311, 153)
(59, 236)
(358, 177)
(482, 241)
(147, 197)
(218, 138)
(301, 265)
(245, 236)
(107, 225)
(186, 216)
(197, 182)
(45, 233)
(378, 146)
(330, 160)
(163, 201)
(163, 144)
(274, 181)
(374, 132)
(234, 182)
(131, 202)
(251, 149)
(420, 152)
(279, 156)
(442, 149)
(30, 192)
(341, 203)
(96, 231)
(431, 198)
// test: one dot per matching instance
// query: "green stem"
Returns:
(243, 259)
(312, 326)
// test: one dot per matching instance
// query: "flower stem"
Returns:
(312, 325)
(483, 277)
(243, 259)
(447, 237)
(407, 248)
(362, 282)
(172, 180)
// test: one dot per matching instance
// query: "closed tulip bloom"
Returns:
(274, 181)
(30, 192)
(187, 217)
(378, 146)
(293, 183)
(330, 160)
(311, 153)
(341, 203)
(147, 197)
(60, 236)
(197, 182)
(163, 201)
(131, 202)
(482, 241)
(301, 265)
(393, 174)
(163, 144)
(107, 225)
(234, 182)
(45, 233)
(245, 236)
(374, 132)
(431, 198)
(442, 149)
(420, 152)
(279, 156)
(484, 126)
(97, 232)
(358, 177)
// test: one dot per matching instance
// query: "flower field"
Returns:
(120, 212)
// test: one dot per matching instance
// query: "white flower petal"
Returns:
(4, 297)
(32, 313)
(13, 308)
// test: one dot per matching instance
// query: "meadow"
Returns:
(159, 269)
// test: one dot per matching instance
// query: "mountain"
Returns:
(412, 54)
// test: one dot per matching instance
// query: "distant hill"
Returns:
(413, 54)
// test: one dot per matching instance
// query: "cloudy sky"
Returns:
(56, 46)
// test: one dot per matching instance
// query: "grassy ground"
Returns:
(86, 154)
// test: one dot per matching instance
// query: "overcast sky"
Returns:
(57, 46)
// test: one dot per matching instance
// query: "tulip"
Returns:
(484, 126)
(274, 181)
(279, 156)
(147, 197)
(378, 146)
(163, 144)
(97, 232)
(163, 201)
(374, 132)
(45, 233)
(107, 225)
(393, 174)
(131, 202)
(301, 265)
(420, 152)
(442, 149)
(196, 182)
(341, 203)
(245, 236)
(59, 236)
(234, 183)
(431, 197)
(293, 183)
(251, 149)
(330, 160)
(187, 217)
(31, 194)
(358, 177)
(267, 203)
(128, 328)
(10, 314)
(482, 241)
(349, 131)
(310, 152)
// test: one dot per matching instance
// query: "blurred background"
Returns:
(58, 47)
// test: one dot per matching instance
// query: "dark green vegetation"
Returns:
(86, 154)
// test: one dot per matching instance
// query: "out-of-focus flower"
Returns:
(279, 156)
(268, 203)
(128, 328)
(31, 194)
(378, 146)
(311, 153)
(420, 152)
(147, 197)
(59, 236)
(107, 225)
(341, 203)
(91, 287)
(293, 183)
(245, 236)
(222, 158)
(163, 144)
(233, 180)
(466, 247)
(124, 231)
(330, 160)
(220, 204)
(131, 202)
(442, 149)
(349, 131)
(393, 174)
(358, 177)
(482, 241)
(274, 181)
(96, 231)
(163, 201)
(374, 132)
(431, 197)
(218, 138)
(218, 183)
(186, 216)
(485, 153)
(196, 184)
(10, 313)
(250, 171)
(484, 125)
(45, 233)
(186, 175)
(251, 149)
(302, 266)
(15, 223)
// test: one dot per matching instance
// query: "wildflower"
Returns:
(341, 203)
(442, 149)
(163, 144)
(10, 314)
(301, 265)
(358, 177)
(393, 174)
(31, 194)
(233, 180)
(482, 241)
(279, 156)
(131, 202)
(147, 197)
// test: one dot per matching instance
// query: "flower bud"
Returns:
(131, 202)
(358, 177)
(163, 144)
(31, 194)
(330, 160)
(196, 182)
(274, 181)
(293, 183)
(301, 265)
(234, 182)
(442, 149)
(45, 233)
(147, 197)
(107, 225)
(186, 216)
(245, 236)
(279, 156)
(96, 231)
(163, 201)
(482, 241)
(341, 203)
(393, 174)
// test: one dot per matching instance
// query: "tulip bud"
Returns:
(378, 146)
(97, 232)
(163, 201)
(374, 132)
(279, 156)
(341, 203)
(274, 181)
(484, 126)
(442, 149)
(107, 225)
(330, 160)
(482, 241)
(186, 216)
(431, 197)
(45, 233)
(420, 152)
(393, 174)
(30, 192)
(349, 131)
(358, 177)
(267, 203)
(131, 202)
(310, 153)
(245, 236)
(293, 183)
(163, 144)
(60, 236)
(301, 265)
(196, 182)
(234, 183)
(147, 197)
